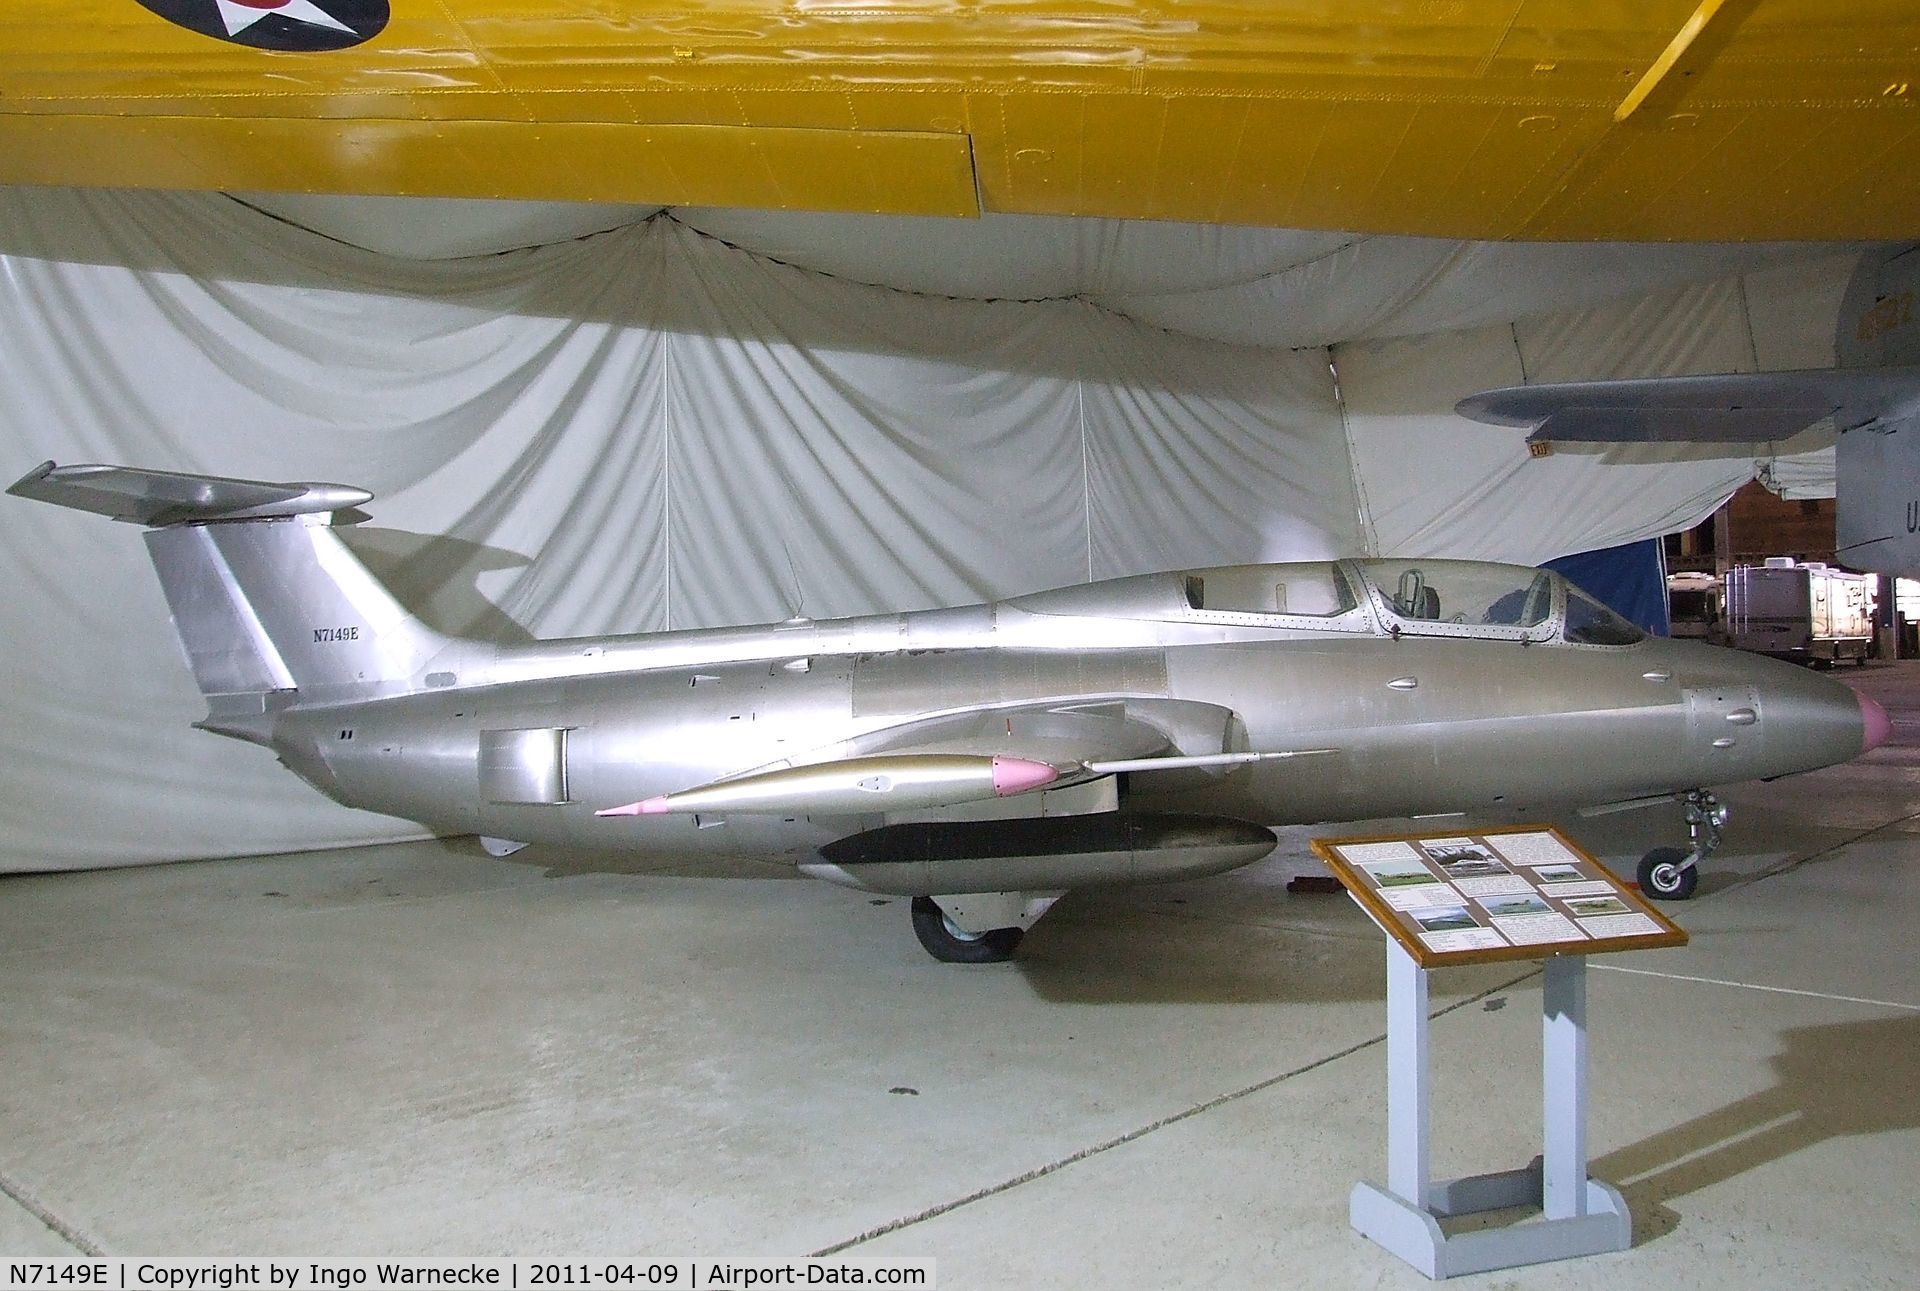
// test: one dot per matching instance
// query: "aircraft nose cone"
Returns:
(1876, 726)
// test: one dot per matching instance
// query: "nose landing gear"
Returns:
(1670, 874)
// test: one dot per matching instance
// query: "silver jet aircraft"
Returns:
(980, 760)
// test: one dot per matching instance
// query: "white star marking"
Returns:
(239, 17)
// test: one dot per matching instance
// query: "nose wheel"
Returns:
(1669, 874)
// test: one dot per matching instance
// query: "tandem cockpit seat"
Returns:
(1414, 599)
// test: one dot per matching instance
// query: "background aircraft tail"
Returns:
(1877, 472)
(265, 596)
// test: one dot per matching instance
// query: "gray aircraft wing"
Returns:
(1739, 407)
(1064, 734)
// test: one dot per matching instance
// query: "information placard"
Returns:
(1522, 892)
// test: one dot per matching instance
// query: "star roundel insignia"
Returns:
(296, 26)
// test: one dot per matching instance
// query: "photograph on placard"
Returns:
(1443, 918)
(1399, 874)
(1468, 867)
(1502, 907)
(1462, 856)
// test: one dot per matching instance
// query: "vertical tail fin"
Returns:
(264, 594)
(283, 605)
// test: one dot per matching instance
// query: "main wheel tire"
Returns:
(950, 944)
(1665, 876)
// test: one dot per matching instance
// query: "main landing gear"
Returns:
(977, 927)
(949, 943)
(1669, 874)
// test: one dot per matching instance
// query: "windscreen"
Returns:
(1591, 623)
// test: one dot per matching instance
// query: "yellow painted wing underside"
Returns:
(1546, 119)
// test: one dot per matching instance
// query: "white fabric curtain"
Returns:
(649, 428)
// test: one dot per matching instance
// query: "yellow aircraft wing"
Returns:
(1544, 119)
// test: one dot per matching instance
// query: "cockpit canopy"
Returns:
(1449, 598)
(1462, 592)
(1315, 589)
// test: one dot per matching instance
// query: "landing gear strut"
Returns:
(1670, 874)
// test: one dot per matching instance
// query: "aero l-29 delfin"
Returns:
(981, 760)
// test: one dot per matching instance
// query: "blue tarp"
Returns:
(1629, 580)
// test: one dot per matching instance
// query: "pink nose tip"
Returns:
(1876, 728)
(1017, 775)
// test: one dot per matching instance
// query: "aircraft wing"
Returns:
(1063, 734)
(1739, 407)
(955, 109)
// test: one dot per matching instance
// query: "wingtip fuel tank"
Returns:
(855, 786)
(1876, 728)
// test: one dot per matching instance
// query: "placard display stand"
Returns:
(1501, 895)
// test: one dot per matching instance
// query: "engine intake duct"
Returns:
(1043, 853)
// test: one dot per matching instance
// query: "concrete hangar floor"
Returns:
(418, 1049)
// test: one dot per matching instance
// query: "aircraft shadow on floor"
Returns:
(1216, 942)
(1832, 1082)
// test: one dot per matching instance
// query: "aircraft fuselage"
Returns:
(1411, 725)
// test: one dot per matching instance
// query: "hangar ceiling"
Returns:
(1486, 119)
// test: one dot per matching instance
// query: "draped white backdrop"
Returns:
(650, 427)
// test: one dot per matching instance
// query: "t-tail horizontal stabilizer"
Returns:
(265, 596)
(158, 498)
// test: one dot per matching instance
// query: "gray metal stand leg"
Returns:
(1580, 1216)
(1397, 1216)
(1563, 1041)
(1409, 1119)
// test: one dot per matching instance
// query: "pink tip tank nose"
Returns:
(1017, 775)
(1876, 728)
